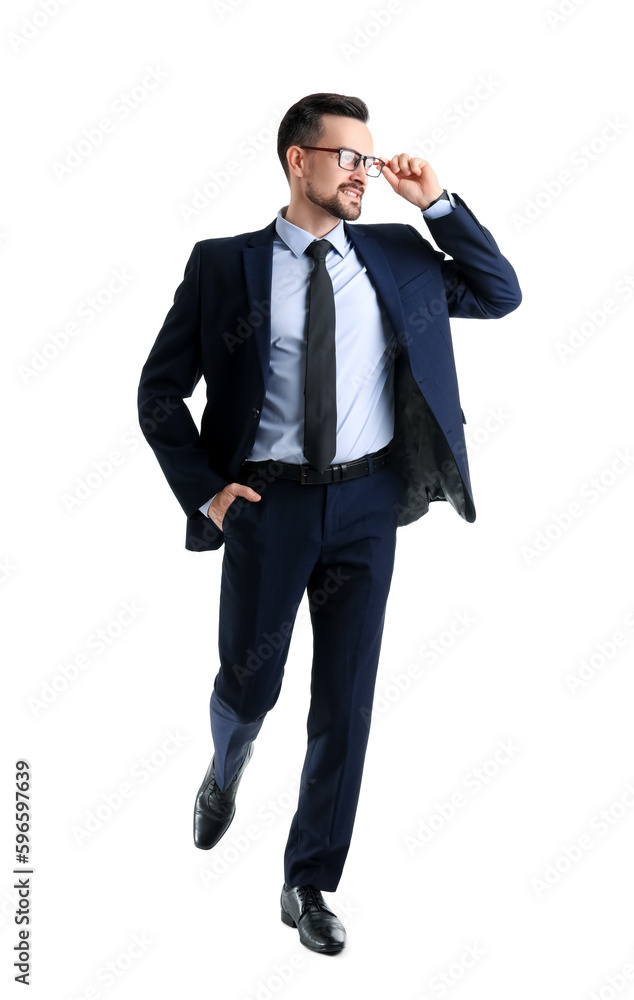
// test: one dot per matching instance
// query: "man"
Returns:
(332, 417)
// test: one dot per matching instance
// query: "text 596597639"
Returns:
(23, 858)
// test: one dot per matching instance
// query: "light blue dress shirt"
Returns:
(364, 355)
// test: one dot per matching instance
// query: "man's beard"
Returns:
(338, 205)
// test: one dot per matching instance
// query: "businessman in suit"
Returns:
(333, 417)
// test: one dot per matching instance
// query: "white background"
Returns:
(542, 424)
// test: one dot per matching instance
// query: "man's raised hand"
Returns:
(412, 178)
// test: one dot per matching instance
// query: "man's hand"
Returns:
(412, 178)
(223, 500)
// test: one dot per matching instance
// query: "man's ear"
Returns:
(294, 156)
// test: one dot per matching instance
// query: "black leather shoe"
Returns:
(319, 929)
(215, 809)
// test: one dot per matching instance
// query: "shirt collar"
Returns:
(297, 239)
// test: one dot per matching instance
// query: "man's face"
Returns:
(328, 185)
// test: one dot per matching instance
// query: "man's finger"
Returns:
(245, 491)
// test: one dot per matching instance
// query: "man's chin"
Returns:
(350, 209)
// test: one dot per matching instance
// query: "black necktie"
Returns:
(320, 416)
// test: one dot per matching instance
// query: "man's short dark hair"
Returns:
(302, 124)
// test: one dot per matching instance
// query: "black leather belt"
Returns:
(308, 474)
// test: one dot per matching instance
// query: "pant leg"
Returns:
(347, 591)
(271, 546)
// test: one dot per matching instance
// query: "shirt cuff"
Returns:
(443, 207)
(205, 506)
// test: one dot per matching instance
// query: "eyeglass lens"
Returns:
(347, 159)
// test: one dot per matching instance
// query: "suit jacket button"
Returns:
(255, 412)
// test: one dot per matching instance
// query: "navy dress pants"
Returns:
(335, 541)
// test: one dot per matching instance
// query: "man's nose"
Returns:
(359, 174)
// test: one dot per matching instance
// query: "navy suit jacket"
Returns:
(219, 328)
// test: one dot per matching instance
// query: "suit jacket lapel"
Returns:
(258, 271)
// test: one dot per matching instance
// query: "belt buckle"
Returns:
(303, 473)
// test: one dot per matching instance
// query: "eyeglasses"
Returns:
(349, 159)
